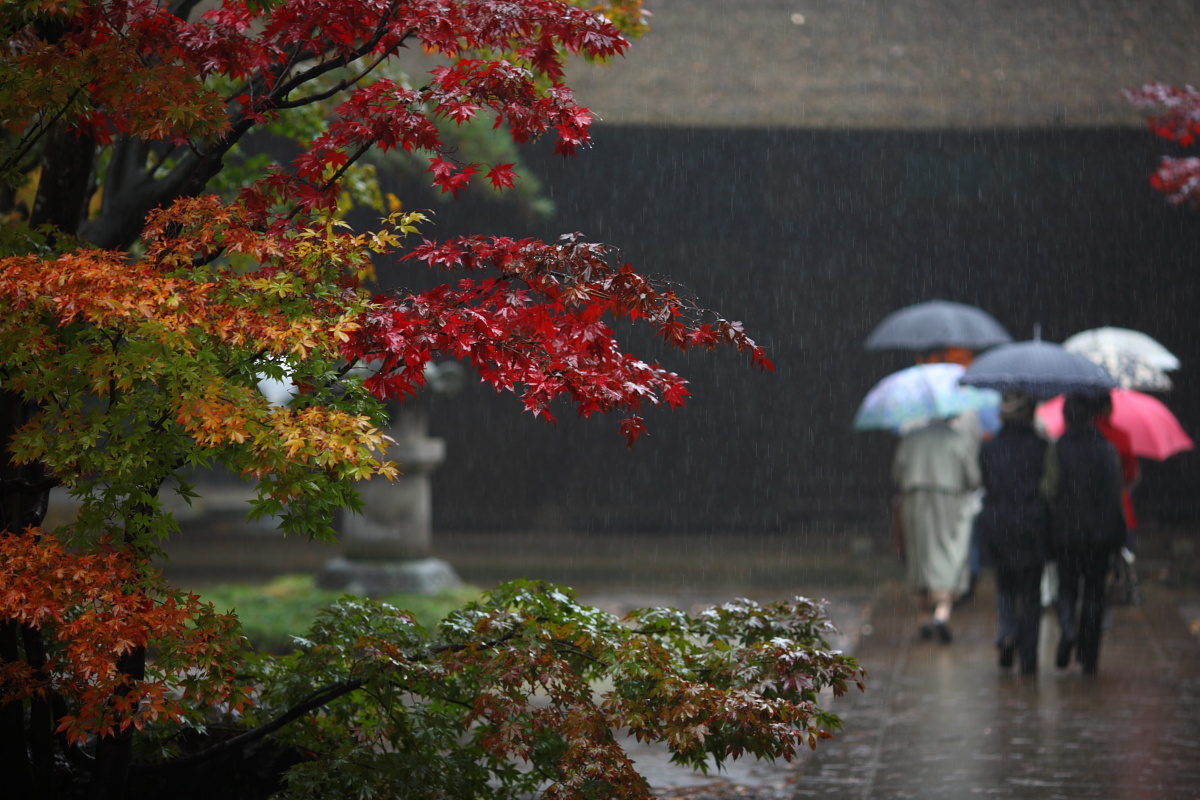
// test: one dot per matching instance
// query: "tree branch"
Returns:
(44, 126)
(314, 701)
(24, 486)
(284, 89)
(340, 86)
(319, 698)
(183, 8)
(362, 151)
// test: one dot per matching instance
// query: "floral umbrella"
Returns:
(1135, 360)
(917, 395)
(1153, 430)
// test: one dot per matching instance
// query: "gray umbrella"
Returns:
(1040, 369)
(937, 324)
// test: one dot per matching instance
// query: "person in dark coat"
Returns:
(1082, 482)
(1013, 528)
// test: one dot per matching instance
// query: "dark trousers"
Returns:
(1019, 611)
(1082, 575)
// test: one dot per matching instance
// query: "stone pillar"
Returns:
(388, 547)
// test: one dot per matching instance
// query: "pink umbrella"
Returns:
(1153, 430)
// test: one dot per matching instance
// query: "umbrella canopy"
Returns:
(937, 324)
(1153, 430)
(917, 395)
(1130, 372)
(1134, 359)
(1039, 369)
(1123, 340)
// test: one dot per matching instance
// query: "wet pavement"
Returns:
(944, 721)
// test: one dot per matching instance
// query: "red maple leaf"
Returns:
(502, 176)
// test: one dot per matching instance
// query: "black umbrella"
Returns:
(937, 324)
(1039, 369)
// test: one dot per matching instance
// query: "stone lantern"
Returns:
(389, 546)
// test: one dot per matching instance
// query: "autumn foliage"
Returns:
(153, 270)
(371, 701)
(97, 622)
(1179, 121)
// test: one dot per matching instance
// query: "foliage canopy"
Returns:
(1179, 121)
(152, 272)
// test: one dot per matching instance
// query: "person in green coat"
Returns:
(936, 472)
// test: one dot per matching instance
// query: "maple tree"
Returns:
(152, 273)
(1178, 178)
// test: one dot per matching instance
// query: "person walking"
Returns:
(1130, 469)
(935, 470)
(1082, 483)
(1013, 528)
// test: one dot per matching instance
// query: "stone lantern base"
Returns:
(378, 578)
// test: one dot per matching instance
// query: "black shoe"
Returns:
(1089, 669)
(943, 632)
(1029, 669)
(1062, 656)
(1007, 650)
(926, 632)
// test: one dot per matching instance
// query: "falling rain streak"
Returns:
(827, 233)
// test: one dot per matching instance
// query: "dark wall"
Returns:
(811, 238)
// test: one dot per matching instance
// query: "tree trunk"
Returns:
(114, 753)
(26, 753)
(41, 718)
(62, 194)
(18, 508)
(14, 747)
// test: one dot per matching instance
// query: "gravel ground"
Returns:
(915, 64)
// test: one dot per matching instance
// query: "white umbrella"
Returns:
(1134, 359)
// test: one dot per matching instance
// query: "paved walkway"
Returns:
(944, 721)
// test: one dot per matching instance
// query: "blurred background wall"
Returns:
(808, 166)
(811, 237)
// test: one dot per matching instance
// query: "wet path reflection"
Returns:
(943, 721)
